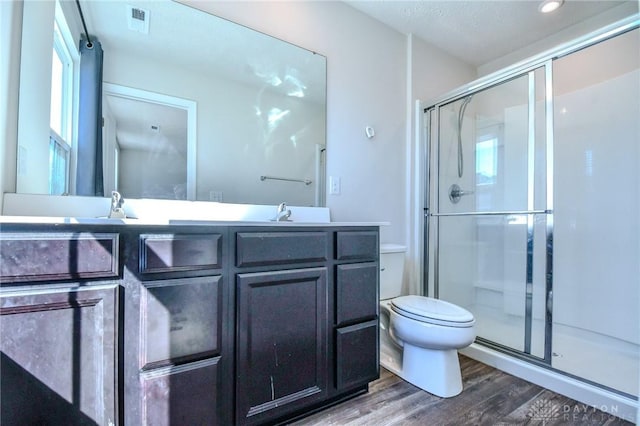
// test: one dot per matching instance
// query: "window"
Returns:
(58, 167)
(487, 167)
(486, 161)
(62, 101)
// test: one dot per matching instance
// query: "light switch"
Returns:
(334, 185)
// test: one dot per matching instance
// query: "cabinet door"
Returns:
(59, 352)
(281, 343)
(357, 355)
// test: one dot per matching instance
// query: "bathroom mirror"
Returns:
(253, 128)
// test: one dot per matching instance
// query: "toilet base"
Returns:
(390, 353)
(435, 371)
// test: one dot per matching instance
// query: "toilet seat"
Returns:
(432, 311)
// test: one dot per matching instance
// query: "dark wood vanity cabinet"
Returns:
(172, 325)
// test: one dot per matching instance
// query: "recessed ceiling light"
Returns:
(550, 5)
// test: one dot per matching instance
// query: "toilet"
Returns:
(420, 336)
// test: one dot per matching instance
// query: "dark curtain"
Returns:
(89, 176)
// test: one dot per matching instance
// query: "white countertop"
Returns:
(48, 209)
(172, 222)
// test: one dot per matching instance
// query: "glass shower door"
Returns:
(533, 209)
(490, 213)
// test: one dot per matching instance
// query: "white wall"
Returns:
(109, 148)
(434, 72)
(166, 179)
(35, 90)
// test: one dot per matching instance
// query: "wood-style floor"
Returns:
(490, 397)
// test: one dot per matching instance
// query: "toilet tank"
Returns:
(391, 270)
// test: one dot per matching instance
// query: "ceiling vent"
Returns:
(138, 19)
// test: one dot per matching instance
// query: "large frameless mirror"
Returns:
(193, 106)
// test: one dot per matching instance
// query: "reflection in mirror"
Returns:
(143, 128)
(260, 105)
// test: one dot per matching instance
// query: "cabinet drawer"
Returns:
(180, 320)
(180, 252)
(183, 395)
(273, 248)
(54, 342)
(356, 292)
(57, 256)
(357, 356)
(357, 245)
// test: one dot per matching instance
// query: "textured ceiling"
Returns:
(480, 31)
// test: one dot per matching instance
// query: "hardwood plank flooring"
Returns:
(490, 397)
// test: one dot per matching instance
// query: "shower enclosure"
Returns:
(533, 208)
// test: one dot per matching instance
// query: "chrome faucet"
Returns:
(283, 214)
(117, 201)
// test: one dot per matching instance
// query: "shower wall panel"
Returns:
(597, 213)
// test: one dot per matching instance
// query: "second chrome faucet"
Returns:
(283, 214)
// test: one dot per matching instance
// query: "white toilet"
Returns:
(420, 336)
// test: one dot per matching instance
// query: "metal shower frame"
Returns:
(430, 220)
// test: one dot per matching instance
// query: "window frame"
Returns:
(65, 49)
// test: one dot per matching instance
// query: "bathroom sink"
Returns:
(107, 217)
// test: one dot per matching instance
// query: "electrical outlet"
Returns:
(215, 196)
(334, 185)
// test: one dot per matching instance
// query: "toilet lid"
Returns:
(436, 311)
